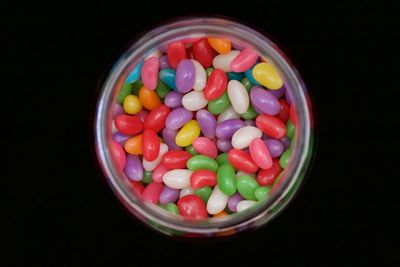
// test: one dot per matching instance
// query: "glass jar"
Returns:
(254, 217)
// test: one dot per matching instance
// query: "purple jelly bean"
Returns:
(173, 99)
(164, 64)
(233, 201)
(278, 93)
(169, 139)
(177, 118)
(226, 129)
(224, 145)
(275, 147)
(117, 109)
(286, 142)
(264, 101)
(168, 195)
(120, 138)
(184, 77)
(207, 123)
(249, 123)
(289, 96)
(164, 48)
(133, 168)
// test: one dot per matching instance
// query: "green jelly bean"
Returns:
(172, 207)
(125, 91)
(162, 206)
(204, 193)
(217, 106)
(290, 129)
(200, 162)
(247, 84)
(246, 186)
(249, 114)
(222, 159)
(136, 87)
(285, 157)
(208, 71)
(226, 179)
(162, 89)
(261, 193)
(147, 177)
(191, 150)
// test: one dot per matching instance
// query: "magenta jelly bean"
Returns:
(150, 73)
(163, 62)
(168, 195)
(185, 75)
(233, 201)
(264, 101)
(169, 139)
(226, 129)
(275, 147)
(151, 193)
(173, 99)
(207, 123)
(205, 146)
(224, 145)
(244, 61)
(133, 168)
(177, 118)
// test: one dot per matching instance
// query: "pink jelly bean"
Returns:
(205, 146)
(118, 154)
(152, 192)
(244, 61)
(150, 73)
(260, 154)
(158, 172)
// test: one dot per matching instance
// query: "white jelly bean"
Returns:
(217, 201)
(228, 114)
(151, 165)
(245, 204)
(238, 96)
(186, 191)
(223, 62)
(240, 173)
(194, 101)
(200, 77)
(243, 137)
(177, 179)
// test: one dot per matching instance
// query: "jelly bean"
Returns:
(249, 75)
(191, 150)
(207, 123)
(250, 123)
(266, 75)
(192, 207)
(132, 104)
(228, 114)
(177, 118)
(125, 90)
(151, 165)
(278, 93)
(163, 62)
(127, 124)
(216, 85)
(194, 101)
(134, 75)
(221, 214)
(209, 71)
(133, 168)
(168, 77)
(169, 138)
(246, 186)
(267, 177)
(222, 159)
(219, 105)
(221, 45)
(150, 73)
(149, 98)
(159, 172)
(284, 160)
(120, 138)
(235, 76)
(204, 193)
(238, 96)
(156, 119)
(168, 195)
(116, 110)
(233, 201)
(152, 192)
(186, 191)
(137, 188)
(177, 179)
(245, 204)
(176, 159)
(242, 161)
(155, 53)
(243, 137)
(150, 145)
(226, 129)
(113, 127)
(189, 52)
(200, 162)
(260, 154)
(134, 145)
(176, 53)
(205, 146)
(271, 126)
(147, 177)
(241, 173)
(250, 114)
(203, 52)
(188, 133)
(201, 178)
(173, 99)
(284, 112)
(286, 142)
(173, 208)
(224, 145)
(223, 62)
(275, 147)
(289, 96)
(247, 84)
(245, 60)
(264, 101)
(217, 201)
(290, 130)
(136, 87)
(200, 77)
(185, 76)
(142, 114)
(118, 155)
(226, 179)
(162, 89)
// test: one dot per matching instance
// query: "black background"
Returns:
(58, 209)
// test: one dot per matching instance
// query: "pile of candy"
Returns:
(203, 129)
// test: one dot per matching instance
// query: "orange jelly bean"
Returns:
(149, 98)
(221, 214)
(221, 45)
(134, 145)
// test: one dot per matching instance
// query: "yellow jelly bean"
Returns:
(266, 75)
(221, 45)
(132, 104)
(188, 133)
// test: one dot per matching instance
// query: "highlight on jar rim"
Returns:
(204, 128)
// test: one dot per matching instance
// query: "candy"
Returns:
(201, 178)
(242, 161)
(271, 126)
(151, 165)
(235, 76)
(168, 77)
(118, 155)
(226, 129)
(216, 85)
(186, 191)
(226, 179)
(149, 98)
(284, 160)
(205, 146)
(163, 62)
(133, 168)
(217, 201)
(260, 153)
(245, 204)
(147, 177)
(238, 96)
(275, 147)
(191, 150)
(137, 188)
(192, 207)
(246, 186)
(188, 133)
(290, 129)
(126, 90)
(223, 62)
(284, 112)
(233, 201)
(204, 193)
(264, 101)
(177, 179)
(266, 75)
(173, 208)
(244, 61)
(176, 53)
(156, 119)
(127, 124)
(162, 89)
(261, 193)
(200, 76)
(222, 159)
(132, 104)
(120, 138)
(200, 162)
(168, 195)
(207, 123)
(173, 99)
(228, 114)
(185, 76)
(194, 101)
(224, 145)
(177, 118)
(243, 137)
(221, 45)
(134, 145)
(169, 138)
(159, 172)
(134, 75)
(150, 73)
(203, 52)
(151, 192)
(150, 145)
(176, 159)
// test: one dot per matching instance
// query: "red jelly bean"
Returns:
(176, 53)
(150, 145)
(293, 115)
(152, 192)
(202, 178)
(155, 120)
(203, 52)
(205, 146)
(118, 154)
(260, 154)
(278, 182)
(284, 113)
(159, 172)
(189, 52)
(192, 207)
(127, 124)
(242, 161)
(271, 126)
(216, 85)
(176, 159)
(137, 188)
(267, 177)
